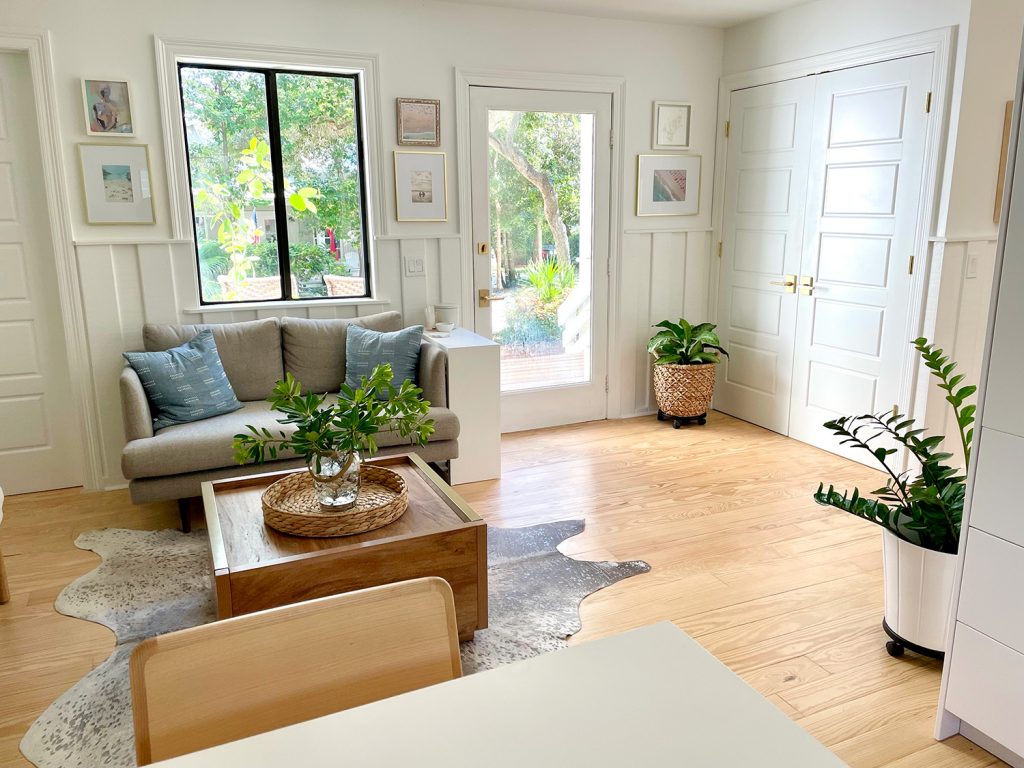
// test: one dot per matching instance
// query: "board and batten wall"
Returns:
(130, 275)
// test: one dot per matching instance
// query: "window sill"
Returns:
(247, 306)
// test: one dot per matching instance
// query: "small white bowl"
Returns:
(445, 327)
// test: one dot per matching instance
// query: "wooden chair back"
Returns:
(220, 682)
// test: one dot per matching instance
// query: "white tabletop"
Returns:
(650, 697)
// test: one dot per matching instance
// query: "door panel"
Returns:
(766, 179)
(864, 186)
(540, 157)
(39, 442)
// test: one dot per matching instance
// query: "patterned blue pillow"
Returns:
(365, 349)
(186, 383)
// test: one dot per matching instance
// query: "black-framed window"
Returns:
(278, 183)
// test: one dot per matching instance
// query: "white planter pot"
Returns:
(918, 590)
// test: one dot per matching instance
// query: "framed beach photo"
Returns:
(421, 189)
(108, 108)
(419, 122)
(671, 121)
(116, 183)
(667, 185)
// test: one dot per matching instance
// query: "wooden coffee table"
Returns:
(256, 567)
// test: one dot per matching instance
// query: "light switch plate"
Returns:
(414, 266)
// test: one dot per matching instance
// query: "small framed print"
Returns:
(667, 185)
(116, 183)
(108, 108)
(421, 189)
(419, 122)
(671, 123)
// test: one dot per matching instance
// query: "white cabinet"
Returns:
(992, 572)
(998, 505)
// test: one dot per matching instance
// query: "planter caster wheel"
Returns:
(677, 423)
(702, 420)
(661, 415)
(895, 649)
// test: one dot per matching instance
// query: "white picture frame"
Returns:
(108, 107)
(421, 186)
(116, 183)
(670, 123)
(668, 185)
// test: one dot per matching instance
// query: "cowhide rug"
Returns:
(152, 582)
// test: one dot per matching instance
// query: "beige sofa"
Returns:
(173, 462)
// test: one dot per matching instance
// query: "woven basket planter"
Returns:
(684, 391)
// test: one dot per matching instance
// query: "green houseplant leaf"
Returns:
(681, 343)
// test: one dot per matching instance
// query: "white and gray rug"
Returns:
(152, 582)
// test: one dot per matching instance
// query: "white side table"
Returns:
(474, 393)
(5, 592)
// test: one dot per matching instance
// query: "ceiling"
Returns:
(712, 13)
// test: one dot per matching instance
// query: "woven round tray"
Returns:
(290, 505)
(684, 390)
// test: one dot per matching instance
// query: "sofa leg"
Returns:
(444, 469)
(185, 513)
(5, 592)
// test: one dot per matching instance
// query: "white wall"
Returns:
(985, 66)
(135, 274)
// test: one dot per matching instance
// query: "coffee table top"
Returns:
(240, 539)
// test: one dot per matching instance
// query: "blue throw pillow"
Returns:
(186, 383)
(365, 349)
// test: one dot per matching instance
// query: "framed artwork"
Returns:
(108, 108)
(116, 184)
(667, 185)
(419, 122)
(671, 123)
(421, 189)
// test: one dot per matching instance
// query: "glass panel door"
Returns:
(540, 197)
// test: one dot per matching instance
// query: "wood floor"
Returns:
(788, 594)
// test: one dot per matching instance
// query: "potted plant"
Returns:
(333, 436)
(919, 513)
(685, 357)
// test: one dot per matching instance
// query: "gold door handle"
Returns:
(806, 285)
(484, 297)
(789, 283)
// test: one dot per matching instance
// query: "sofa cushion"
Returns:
(204, 445)
(185, 383)
(365, 349)
(314, 350)
(250, 351)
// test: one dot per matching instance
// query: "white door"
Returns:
(762, 243)
(853, 331)
(540, 190)
(40, 446)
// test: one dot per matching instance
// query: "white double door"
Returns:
(40, 446)
(823, 194)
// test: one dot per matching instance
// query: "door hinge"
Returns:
(928, 103)
(910, 266)
(719, 249)
(727, 125)
(611, 139)
(606, 383)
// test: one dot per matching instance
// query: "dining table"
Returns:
(651, 696)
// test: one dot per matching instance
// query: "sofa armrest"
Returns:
(138, 421)
(433, 374)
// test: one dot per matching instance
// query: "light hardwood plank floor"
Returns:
(787, 593)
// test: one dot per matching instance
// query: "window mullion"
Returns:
(277, 168)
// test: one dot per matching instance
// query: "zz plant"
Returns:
(338, 430)
(684, 344)
(925, 509)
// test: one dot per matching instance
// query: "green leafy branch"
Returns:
(337, 430)
(684, 344)
(942, 369)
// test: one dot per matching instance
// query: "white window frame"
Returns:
(171, 51)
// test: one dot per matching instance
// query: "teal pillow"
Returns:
(365, 349)
(186, 383)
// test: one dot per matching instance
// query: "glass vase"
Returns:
(336, 479)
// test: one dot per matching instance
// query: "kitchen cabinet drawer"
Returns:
(989, 602)
(996, 505)
(986, 687)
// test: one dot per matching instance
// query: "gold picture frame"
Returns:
(418, 122)
(116, 183)
(114, 106)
